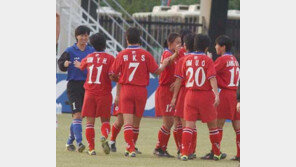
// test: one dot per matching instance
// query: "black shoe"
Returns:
(192, 156)
(235, 158)
(81, 147)
(137, 151)
(70, 147)
(178, 154)
(112, 146)
(166, 154)
(158, 152)
(208, 156)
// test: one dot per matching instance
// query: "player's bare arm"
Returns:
(177, 85)
(213, 82)
(118, 87)
(175, 55)
(113, 77)
(162, 66)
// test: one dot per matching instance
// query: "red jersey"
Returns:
(98, 65)
(178, 68)
(134, 64)
(167, 75)
(182, 53)
(197, 70)
(227, 68)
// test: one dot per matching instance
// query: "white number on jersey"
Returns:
(196, 77)
(98, 74)
(231, 83)
(135, 65)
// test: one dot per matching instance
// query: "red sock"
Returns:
(178, 136)
(136, 134)
(193, 145)
(129, 137)
(90, 136)
(105, 129)
(163, 138)
(186, 140)
(215, 139)
(114, 132)
(238, 142)
(220, 134)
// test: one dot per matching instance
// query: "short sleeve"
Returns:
(183, 69)
(178, 69)
(151, 64)
(115, 69)
(111, 64)
(83, 63)
(165, 55)
(219, 64)
(211, 71)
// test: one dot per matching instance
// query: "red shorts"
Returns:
(227, 107)
(116, 111)
(97, 106)
(199, 105)
(180, 102)
(163, 97)
(132, 99)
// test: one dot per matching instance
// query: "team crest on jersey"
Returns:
(89, 59)
(76, 58)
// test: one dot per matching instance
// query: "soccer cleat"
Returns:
(112, 146)
(178, 154)
(92, 152)
(81, 147)
(126, 153)
(192, 156)
(208, 156)
(235, 158)
(158, 152)
(132, 154)
(219, 157)
(70, 147)
(166, 154)
(184, 158)
(105, 145)
(137, 151)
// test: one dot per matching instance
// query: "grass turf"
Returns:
(146, 143)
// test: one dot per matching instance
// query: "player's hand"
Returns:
(67, 63)
(173, 103)
(116, 101)
(217, 100)
(166, 61)
(238, 107)
(178, 47)
(209, 55)
(77, 64)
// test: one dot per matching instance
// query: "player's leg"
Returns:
(236, 127)
(128, 133)
(178, 132)
(187, 137)
(220, 125)
(116, 127)
(136, 130)
(90, 135)
(105, 129)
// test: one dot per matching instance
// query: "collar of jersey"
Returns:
(76, 47)
(99, 52)
(197, 53)
(227, 54)
(167, 49)
(134, 47)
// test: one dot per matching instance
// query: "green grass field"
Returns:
(146, 143)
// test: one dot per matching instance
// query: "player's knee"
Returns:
(77, 115)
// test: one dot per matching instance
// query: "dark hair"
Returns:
(172, 36)
(201, 42)
(133, 35)
(189, 41)
(165, 44)
(81, 30)
(98, 41)
(224, 40)
(183, 33)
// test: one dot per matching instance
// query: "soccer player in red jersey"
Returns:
(164, 94)
(178, 98)
(134, 65)
(227, 68)
(97, 99)
(201, 97)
